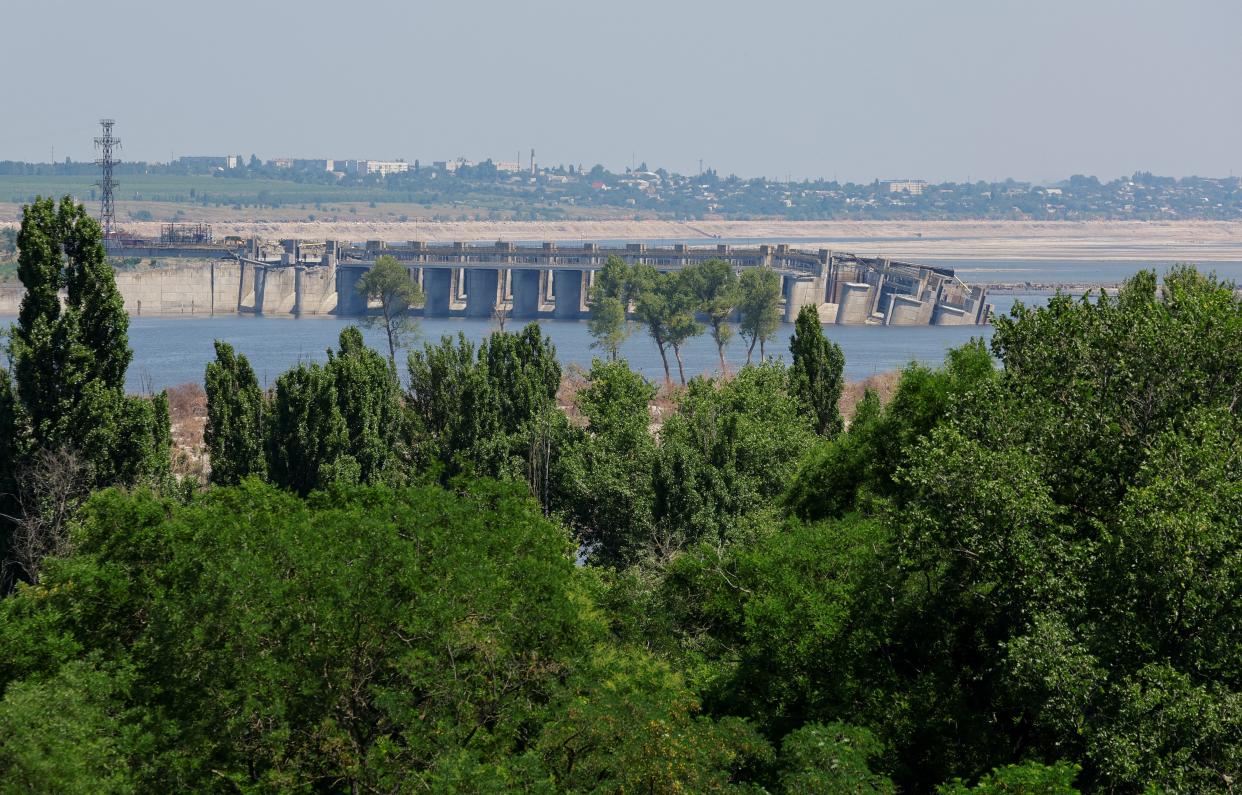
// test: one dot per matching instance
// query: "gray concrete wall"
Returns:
(855, 303)
(570, 288)
(11, 298)
(904, 311)
(482, 289)
(221, 287)
(438, 289)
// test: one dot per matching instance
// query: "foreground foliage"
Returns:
(1024, 578)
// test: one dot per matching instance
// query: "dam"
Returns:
(540, 281)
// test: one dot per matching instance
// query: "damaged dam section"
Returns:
(525, 282)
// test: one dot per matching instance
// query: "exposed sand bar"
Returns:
(1158, 241)
(1190, 241)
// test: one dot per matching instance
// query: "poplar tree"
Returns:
(69, 364)
(339, 422)
(235, 413)
(815, 377)
(65, 396)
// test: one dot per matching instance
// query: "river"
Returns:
(171, 350)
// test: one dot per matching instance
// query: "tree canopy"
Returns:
(1020, 572)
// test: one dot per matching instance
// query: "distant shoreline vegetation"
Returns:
(468, 191)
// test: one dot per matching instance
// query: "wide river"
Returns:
(173, 350)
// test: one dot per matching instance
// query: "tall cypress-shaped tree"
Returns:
(65, 399)
(235, 414)
(307, 441)
(815, 377)
(523, 372)
(342, 421)
(369, 398)
(70, 363)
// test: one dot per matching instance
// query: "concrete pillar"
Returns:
(567, 287)
(348, 301)
(855, 303)
(438, 287)
(482, 287)
(526, 297)
(298, 273)
(799, 292)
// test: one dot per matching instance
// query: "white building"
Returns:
(381, 167)
(914, 187)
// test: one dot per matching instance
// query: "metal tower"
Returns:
(107, 146)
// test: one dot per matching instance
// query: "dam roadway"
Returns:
(546, 280)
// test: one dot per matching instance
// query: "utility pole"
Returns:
(107, 146)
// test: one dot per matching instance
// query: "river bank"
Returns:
(1192, 241)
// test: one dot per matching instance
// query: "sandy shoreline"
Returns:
(1189, 241)
(1200, 241)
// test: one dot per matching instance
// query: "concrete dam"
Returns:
(547, 280)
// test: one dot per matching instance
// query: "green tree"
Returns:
(607, 325)
(679, 307)
(758, 307)
(451, 396)
(523, 373)
(631, 726)
(863, 462)
(825, 760)
(68, 365)
(615, 280)
(1028, 778)
(369, 398)
(728, 452)
(235, 418)
(64, 734)
(653, 310)
(342, 421)
(1046, 525)
(361, 639)
(815, 375)
(307, 441)
(714, 286)
(389, 283)
(604, 487)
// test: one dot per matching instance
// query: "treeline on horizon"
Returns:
(1024, 578)
(481, 191)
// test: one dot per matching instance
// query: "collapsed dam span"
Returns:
(547, 280)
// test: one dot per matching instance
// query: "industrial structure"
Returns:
(553, 280)
(108, 147)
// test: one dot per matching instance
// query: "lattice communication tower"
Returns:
(108, 146)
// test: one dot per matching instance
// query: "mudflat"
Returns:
(1158, 241)
(1190, 241)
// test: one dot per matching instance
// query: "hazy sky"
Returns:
(937, 89)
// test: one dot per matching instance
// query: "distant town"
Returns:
(526, 189)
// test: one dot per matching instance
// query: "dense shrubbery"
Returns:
(1015, 579)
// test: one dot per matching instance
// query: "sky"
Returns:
(933, 89)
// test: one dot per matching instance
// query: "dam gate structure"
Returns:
(528, 282)
(554, 281)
